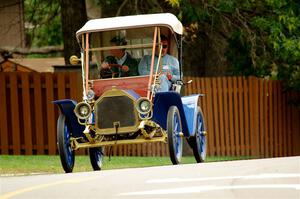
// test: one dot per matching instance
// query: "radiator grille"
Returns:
(115, 109)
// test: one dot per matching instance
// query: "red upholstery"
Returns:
(139, 84)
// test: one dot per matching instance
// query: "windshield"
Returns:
(110, 51)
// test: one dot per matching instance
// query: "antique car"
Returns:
(117, 109)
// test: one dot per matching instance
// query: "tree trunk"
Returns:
(73, 17)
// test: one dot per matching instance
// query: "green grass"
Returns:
(26, 165)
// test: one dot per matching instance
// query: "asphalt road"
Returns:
(262, 178)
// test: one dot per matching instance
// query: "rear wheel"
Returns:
(174, 131)
(66, 153)
(198, 141)
(96, 157)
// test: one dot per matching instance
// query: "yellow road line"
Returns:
(41, 186)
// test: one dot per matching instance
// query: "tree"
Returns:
(232, 37)
(262, 37)
(53, 23)
(113, 8)
(73, 17)
(43, 24)
(43, 33)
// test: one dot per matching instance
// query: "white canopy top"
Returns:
(133, 21)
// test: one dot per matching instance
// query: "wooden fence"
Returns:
(249, 116)
(244, 116)
(28, 116)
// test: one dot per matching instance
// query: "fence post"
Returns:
(221, 115)
(254, 130)
(27, 113)
(51, 128)
(241, 116)
(38, 113)
(231, 121)
(209, 117)
(236, 117)
(296, 125)
(16, 142)
(3, 115)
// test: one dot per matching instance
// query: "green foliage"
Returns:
(263, 36)
(226, 6)
(174, 3)
(277, 4)
(238, 54)
(43, 23)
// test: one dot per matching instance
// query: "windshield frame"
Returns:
(85, 52)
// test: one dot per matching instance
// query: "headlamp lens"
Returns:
(90, 95)
(145, 106)
(83, 110)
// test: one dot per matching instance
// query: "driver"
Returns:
(120, 63)
(170, 66)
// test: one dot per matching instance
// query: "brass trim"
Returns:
(76, 145)
(114, 92)
(74, 60)
(156, 135)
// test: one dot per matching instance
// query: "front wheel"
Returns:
(198, 142)
(174, 131)
(66, 153)
(96, 157)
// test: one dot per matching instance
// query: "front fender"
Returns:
(67, 107)
(162, 102)
(190, 106)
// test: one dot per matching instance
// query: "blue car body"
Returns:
(66, 107)
(186, 105)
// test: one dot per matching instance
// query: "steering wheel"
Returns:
(108, 72)
(115, 66)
